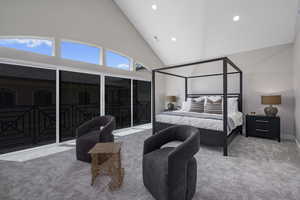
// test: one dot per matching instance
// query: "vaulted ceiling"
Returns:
(205, 28)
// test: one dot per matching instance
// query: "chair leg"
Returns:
(225, 150)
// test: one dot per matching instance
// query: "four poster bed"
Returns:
(215, 129)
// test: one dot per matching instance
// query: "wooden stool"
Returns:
(106, 160)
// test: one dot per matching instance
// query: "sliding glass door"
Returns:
(118, 100)
(79, 101)
(27, 107)
(28, 104)
(141, 102)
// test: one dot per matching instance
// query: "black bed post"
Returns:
(225, 120)
(241, 98)
(241, 91)
(153, 102)
(186, 87)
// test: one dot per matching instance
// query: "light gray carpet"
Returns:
(256, 169)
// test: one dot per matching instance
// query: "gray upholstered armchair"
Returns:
(171, 173)
(98, 129)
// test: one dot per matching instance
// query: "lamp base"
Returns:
(171, 106)
(271, 111)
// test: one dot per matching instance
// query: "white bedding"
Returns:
(201, 120)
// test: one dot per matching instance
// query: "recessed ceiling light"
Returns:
(156, 38)
(173, 39)
(154, 7)
(236, 18)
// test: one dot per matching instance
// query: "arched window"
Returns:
(43, 97)
(116, 60)
(34, 45)
(7, 97)
(80, 52)
(84, 98)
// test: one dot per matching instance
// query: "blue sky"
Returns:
(116, 60)
(69, 50)
(80, 52)
(33, 45)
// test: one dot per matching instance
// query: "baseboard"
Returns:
(288, 137)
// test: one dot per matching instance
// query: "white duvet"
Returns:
(201, 120)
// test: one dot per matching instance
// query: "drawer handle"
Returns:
(262, 121)
(261, 130)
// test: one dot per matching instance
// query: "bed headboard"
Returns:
(229, 95)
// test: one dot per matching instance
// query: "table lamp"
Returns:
(271, 100)
(171, 100)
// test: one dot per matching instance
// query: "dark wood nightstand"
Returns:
(263, 126)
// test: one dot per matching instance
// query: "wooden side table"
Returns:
(106, 160)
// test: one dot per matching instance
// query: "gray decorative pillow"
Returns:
(213, 107)
(197, 106)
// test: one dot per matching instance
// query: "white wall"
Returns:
(266, 71)
(160, 92)
(97, 22)
(297, 78)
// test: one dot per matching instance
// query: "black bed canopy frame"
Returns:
(216, 138)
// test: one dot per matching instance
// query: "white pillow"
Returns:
(232, 105)
(186, 106)
(214, 98)
(189, 99)
(200, 98)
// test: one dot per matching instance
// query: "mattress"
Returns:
(201, 120)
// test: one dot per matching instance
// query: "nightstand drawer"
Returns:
(262, 121)
(262, 131)
(262, 126)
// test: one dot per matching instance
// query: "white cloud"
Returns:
(30, 43)
(123, 66)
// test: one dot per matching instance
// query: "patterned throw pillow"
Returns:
(197, 106)
(213, 107)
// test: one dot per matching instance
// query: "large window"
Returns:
(80, 52)
(27, 118)
(118, 100)
(40, 46)
(141, 102)
(118, 61)
(79, 101)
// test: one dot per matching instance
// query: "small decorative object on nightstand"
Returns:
(263, 126)
(171, 100)
(271, 100)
